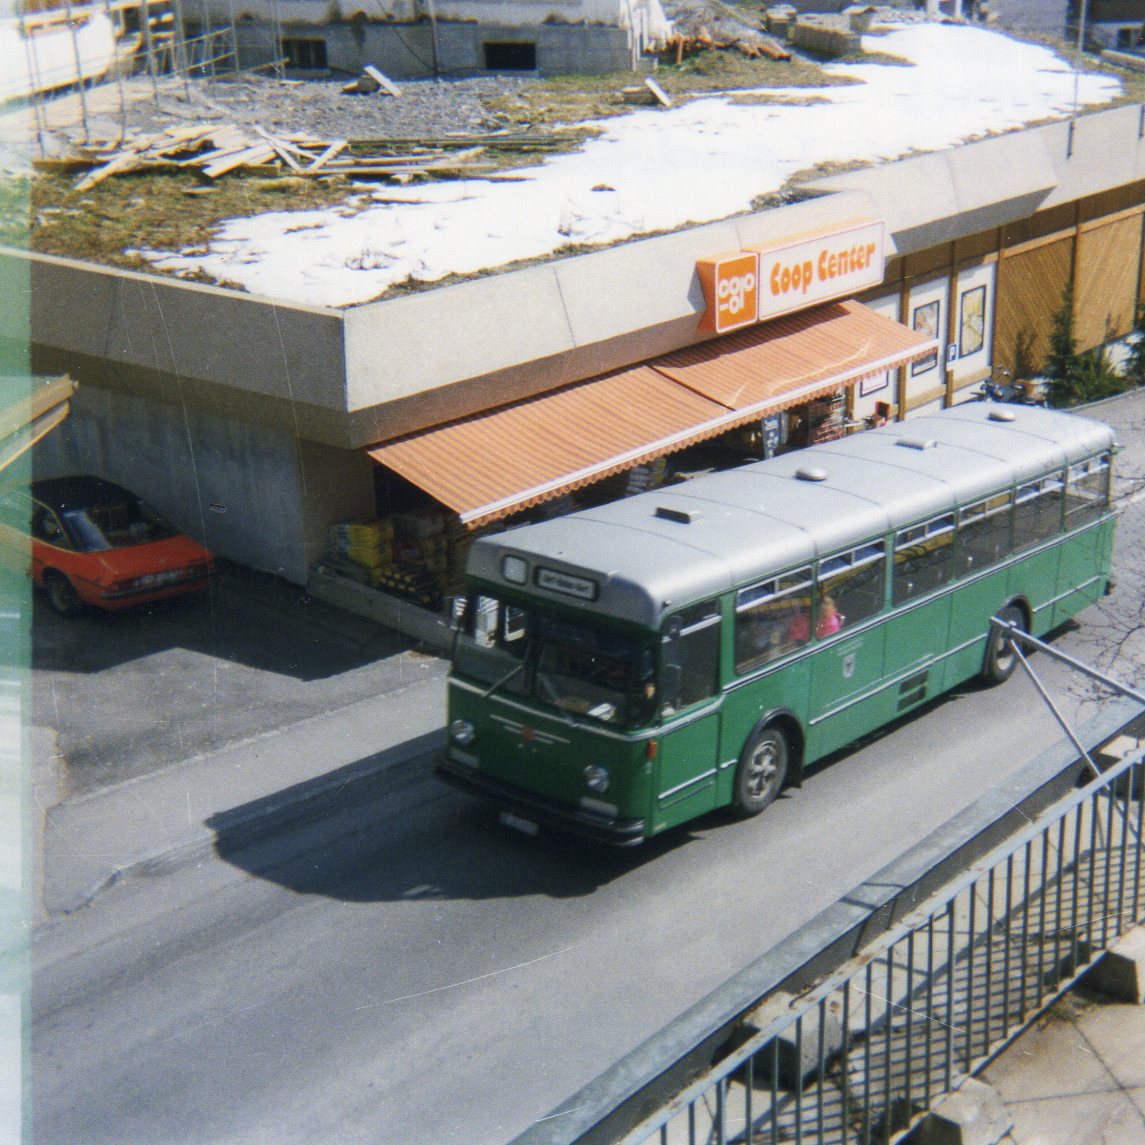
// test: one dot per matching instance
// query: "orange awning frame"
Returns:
(489, 465)
(35, 414)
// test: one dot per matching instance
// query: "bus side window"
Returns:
(772, 619)
(924, 557)
(983, 533)
(691, 656)
(1038, 510)
(1086, 492)
(851, 588)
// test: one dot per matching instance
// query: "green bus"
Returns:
(623, 669)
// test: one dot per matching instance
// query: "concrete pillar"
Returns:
(972, 1115)
(797, 1058)
(1120, 971)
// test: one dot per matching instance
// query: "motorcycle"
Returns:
(1027, 392)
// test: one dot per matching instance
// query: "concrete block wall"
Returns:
(408, 47)
(232, 486)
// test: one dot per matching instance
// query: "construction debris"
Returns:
(215, 150)
(649, 93)
(754, 45)
(371, 80)
(661, 95)
(712, 25)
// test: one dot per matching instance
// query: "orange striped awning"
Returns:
(504, 460)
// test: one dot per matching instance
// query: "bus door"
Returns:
(918, 632)
(686, 758)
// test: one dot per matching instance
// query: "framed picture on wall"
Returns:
(925, 321)
(873, 384)
(972, 321)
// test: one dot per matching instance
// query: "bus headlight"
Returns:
(462, 732)
(596, 778)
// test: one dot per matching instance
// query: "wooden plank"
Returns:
(248, 157)
(289, 154)
(661, 95)
(127, 161)
(327, 155)
(384, 82)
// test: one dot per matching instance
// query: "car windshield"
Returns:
(115, 526)
(578, 668)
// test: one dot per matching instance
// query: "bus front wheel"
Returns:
(1001, 655)
(761, 771)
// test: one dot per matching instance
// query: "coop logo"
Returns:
(731, 289)
(764, 282)
(734, 294)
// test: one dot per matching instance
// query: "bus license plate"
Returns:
(518, 823)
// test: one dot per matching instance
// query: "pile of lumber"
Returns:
(214, 150)
(753, 45)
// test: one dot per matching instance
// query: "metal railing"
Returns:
(862, 1020)
(857, 1057)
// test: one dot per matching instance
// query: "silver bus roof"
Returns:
(641, 557)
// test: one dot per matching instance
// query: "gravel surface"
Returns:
(425, 107)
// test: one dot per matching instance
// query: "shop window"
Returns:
(925, 320)
(306, 54)
(972, 321)
(511, 57)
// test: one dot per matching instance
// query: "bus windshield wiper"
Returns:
(504, 680)
(555, 697)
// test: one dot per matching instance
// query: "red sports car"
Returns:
(87, 541)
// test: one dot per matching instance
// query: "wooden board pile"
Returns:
(214, 150)
(755, 46)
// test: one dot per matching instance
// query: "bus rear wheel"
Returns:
(761, 771)
(1001, 655)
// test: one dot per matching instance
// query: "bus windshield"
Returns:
(571, 665)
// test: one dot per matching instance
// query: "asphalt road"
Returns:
(402, 971)
(406, 972)
(128, 693)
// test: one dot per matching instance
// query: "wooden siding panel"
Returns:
(1043, 223)
(1108, 264)
(1030, 287)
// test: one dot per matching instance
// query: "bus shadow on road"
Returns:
(396, 834)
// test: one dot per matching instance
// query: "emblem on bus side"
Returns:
(848, 666)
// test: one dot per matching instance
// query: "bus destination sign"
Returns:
(579, 586)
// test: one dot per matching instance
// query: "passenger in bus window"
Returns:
(830, 621)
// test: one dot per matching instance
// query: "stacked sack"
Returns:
(362, 551)
(420, 549)
(418, 556)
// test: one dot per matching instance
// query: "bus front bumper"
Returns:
(537, 809)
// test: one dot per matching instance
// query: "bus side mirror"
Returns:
(457, 609)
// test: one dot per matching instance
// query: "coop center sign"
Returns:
(763, 282)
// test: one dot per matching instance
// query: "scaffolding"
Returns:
(154, 40)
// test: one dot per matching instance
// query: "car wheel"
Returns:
(1001, 655)
(761, 771)
(61, 595)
